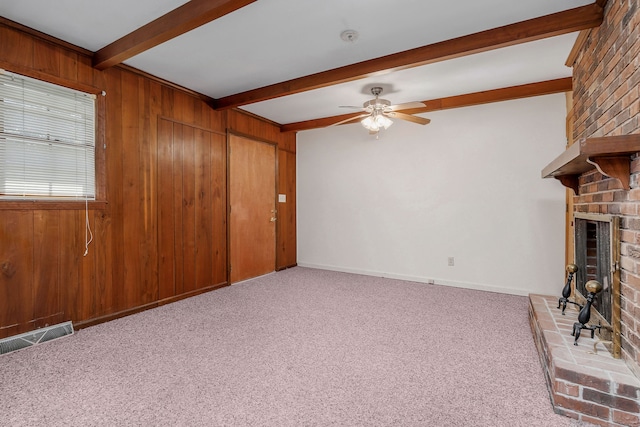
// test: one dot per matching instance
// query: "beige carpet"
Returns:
(301, 347)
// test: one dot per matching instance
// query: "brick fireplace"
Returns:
(602, 170)
(585, 382)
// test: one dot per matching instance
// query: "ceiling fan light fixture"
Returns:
(370, 124)
(375, 122)
(383, 121)
(377, 112)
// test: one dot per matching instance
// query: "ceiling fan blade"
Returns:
(407, 106)
(410, 118)
(353, 107)
(350, 119)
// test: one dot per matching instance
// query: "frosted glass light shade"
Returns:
(376, 122)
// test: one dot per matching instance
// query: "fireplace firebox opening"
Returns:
(597, 255)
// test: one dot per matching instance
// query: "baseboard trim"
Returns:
(113, 316)
(419, 279)
(286, 267)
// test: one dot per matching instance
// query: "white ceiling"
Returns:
(271, 41)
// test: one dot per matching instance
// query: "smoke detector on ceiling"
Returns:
(349, 35)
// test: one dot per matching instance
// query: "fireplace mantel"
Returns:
(609, 154)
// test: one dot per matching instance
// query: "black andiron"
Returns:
(593, 287)
(566, 291)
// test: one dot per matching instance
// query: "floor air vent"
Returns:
(17, 342)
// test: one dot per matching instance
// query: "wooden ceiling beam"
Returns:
(183, 19)
(568, 21)
(467, 100)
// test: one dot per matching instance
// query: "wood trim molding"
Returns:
(30, 205)
(286, 150)
(582, 38)
(568, 21)
(180, 122)
(35, 74)
(183, 19)
(46, 37)
(252, 115)
(109, 317)
(166, 83)
(233, 132)
(467, 100)
(577, 47)
(30, 72)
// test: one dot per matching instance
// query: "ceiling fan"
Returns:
(377, 113)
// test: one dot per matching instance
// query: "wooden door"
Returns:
(252, 201)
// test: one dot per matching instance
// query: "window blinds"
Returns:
(47, 140)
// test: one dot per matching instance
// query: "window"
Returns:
(47, 140)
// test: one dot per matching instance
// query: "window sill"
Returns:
(17, 205)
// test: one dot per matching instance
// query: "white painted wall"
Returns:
(466, 186)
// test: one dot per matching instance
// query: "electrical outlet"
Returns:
(450, 261)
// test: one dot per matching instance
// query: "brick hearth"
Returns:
(588, 386)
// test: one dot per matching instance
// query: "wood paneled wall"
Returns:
(160, 234)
